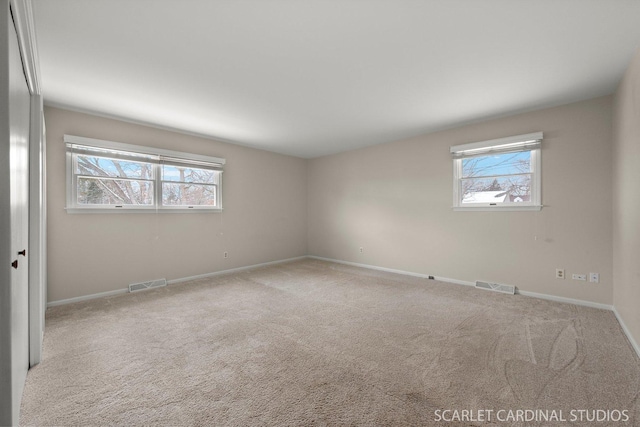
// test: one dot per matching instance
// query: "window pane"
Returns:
(509, 189)
(114, 192)
(188, 174)
(498, 164)
(100, 166)
(188, 194)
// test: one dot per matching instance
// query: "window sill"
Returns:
(140, 210)
(497, 208)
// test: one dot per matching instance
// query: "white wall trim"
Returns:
(172, 282)
(565, 300)
(25, 27)
(467, 283)
(371, 267)
(37, 230)
(626, 331)
(87, 297)
(232, 270)
(391, 270)
(454, 281)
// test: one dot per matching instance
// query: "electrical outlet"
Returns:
(226, 254)
(582, 277)
(559, 273)
(361, 249)
(594, 277)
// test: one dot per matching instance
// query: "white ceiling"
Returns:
(314, 77)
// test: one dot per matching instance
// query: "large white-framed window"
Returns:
(498, 175)
(108, 176)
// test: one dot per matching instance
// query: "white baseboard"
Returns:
(370, 267)
(232, 270)
(172, 282)
(87, 297)
(391, 270)
(566, 300)
(467, 283)
(627, 332)
(454, 281)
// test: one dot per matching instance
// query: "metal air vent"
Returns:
(134, 287)
(505, 289)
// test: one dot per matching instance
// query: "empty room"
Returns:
(322, 212)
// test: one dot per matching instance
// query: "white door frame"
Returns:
(37, 231)
(25, 27)
(36, 245)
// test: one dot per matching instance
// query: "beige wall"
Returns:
(395, 199)
(264, 218)
(626, 201)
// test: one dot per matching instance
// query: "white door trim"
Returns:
(25, 28)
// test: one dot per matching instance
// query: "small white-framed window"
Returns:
(500, 174)
(107, 176)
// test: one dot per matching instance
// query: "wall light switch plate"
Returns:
(594, 277)
(582, 277)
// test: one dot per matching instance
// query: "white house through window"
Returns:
(502, 173)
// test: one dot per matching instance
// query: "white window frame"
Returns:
(530, 142)
(186, 159)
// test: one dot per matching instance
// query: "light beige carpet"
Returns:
(317, 343)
